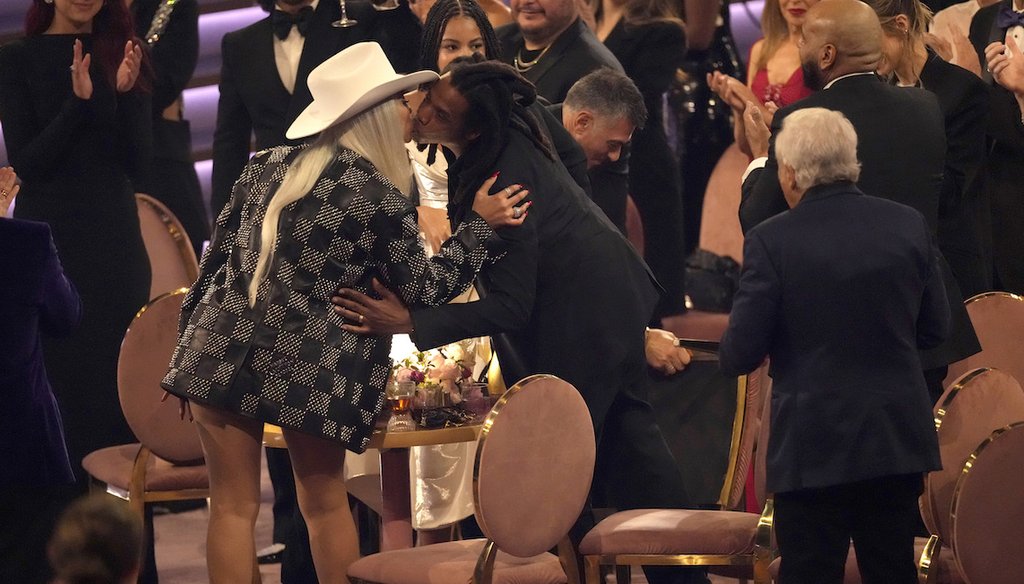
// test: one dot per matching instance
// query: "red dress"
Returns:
(790, 91)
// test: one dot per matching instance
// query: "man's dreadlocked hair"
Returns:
(437, 21)
(498, 98)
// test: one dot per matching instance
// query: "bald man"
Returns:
(901, 143)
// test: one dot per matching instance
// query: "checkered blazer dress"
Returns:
(287, 360)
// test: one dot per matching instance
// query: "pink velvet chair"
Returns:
(166, 464)
(987, 510)
(170, 251)
(998, 319)
(735, 542)
(532, 473)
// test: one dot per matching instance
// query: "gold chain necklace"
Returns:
(524, 66)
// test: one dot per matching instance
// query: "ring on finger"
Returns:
(517, 212)
(361, 319)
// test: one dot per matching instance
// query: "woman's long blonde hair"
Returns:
(375, 134)
(775, 30)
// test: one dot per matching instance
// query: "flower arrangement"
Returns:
(437, 373)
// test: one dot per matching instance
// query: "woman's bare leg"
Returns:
(231, 444)
(318, 465)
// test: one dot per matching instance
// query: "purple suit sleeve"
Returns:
(60, 307)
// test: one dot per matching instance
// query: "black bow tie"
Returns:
(284, 21)
(1008, 18)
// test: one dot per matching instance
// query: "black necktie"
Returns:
(1008, 18)
(284, 21)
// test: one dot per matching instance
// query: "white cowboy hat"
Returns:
(350, 83)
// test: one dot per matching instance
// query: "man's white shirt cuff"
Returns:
(755, 164)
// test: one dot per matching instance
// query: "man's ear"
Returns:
(582, 122)
(827, 56)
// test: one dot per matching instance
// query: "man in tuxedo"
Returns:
(840, 293)
(550, 45)
(901, 143)
(265, 65)
(262, 90)
(1003, 22)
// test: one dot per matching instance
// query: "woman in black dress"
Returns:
(648, 39)
(170, 31)
(74, 137)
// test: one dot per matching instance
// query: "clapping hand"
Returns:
(1007, 65)
(756, 129)
(81, 83)
(128, 70)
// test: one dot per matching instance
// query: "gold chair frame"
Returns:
(761, 556)
(136, 494)
(177, 233)
(483, 572)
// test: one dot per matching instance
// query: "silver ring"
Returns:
(71, 68)
(361, 319)
(517, 212)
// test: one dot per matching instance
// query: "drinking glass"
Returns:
(344, 21)
(400, 396)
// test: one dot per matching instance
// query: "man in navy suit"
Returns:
(262, 90)
(35, 299)
(840, 293)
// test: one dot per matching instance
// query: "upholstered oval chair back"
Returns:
(987, 509)
(752, 389)
(170, 252)
(998, 319)
(534, 464)
(145, 354)
(979, 402)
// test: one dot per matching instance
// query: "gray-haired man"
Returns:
(840, 292)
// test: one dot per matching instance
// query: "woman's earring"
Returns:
(48, 1)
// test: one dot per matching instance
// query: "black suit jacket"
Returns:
(254, 101)
(901, 145)
(571, 293)
(963, 206)
(574, 53)
(1005, 163)
(35, 299)
(840, 293)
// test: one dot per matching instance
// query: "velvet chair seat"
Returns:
(114, 466)
(448, 563)
(673, 532)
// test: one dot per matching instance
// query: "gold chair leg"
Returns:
(926, 567)
(592, 566)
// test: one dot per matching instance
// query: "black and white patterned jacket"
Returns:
(287, 360)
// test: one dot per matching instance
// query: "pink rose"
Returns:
(448, 371)
(404, 374)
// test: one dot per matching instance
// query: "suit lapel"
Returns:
(322, 42)
(261, 39)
